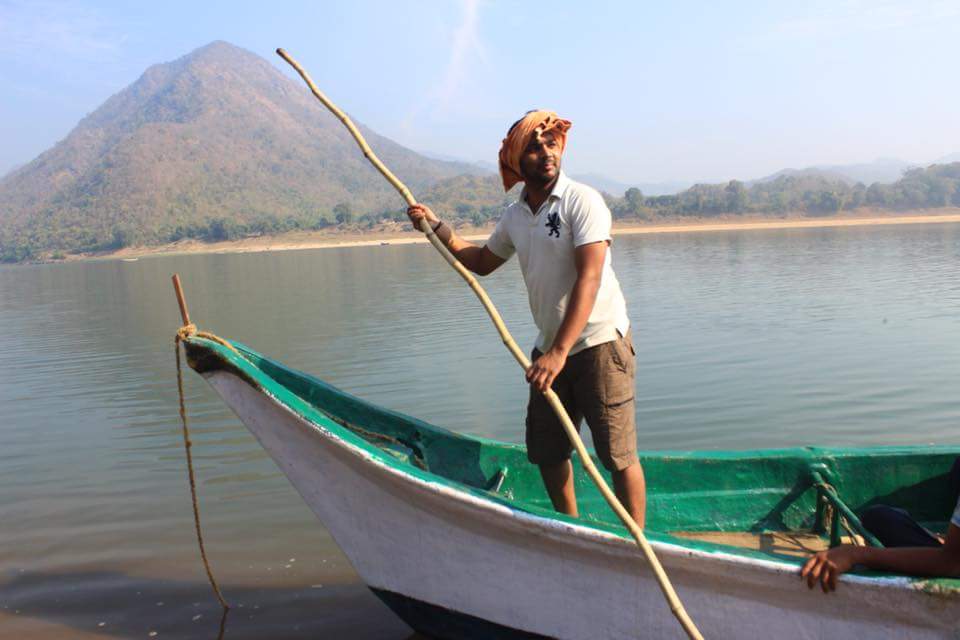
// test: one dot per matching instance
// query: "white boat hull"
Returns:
(434, 545)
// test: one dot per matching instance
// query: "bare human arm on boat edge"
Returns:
(941, 561)
(479, 260)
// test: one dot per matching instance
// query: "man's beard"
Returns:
(539, 179)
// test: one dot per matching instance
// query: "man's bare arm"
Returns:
(477, 259)
(944, 561)
(919, 561)
(589, 260)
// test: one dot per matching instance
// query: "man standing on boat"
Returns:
(560, 231)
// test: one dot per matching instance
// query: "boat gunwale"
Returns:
(551, 522)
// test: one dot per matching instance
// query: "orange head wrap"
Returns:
(535, 122)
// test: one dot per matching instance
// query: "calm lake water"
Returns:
(755, 339)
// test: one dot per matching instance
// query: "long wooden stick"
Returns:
(675, 605)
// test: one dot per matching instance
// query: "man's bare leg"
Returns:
(558, 479)
(631, 488)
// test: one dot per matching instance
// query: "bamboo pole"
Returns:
(178, 289)
(676, 606)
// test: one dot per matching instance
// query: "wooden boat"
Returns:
(456, 535)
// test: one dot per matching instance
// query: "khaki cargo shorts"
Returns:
(596, 384)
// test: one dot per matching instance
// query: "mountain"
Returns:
(12, 170)
(667, 188)
(597, 181)
(953, 157)
(883, 170)
(616, 188)
(477, 168)
(809, 172)
(601, 183)
(217, 135)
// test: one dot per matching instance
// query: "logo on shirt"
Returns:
(553, 223)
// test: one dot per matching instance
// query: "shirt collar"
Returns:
(559, 188)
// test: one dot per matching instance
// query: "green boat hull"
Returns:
(754, 491)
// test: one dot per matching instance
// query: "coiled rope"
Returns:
(830, 512)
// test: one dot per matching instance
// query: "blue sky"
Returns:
(656, 91)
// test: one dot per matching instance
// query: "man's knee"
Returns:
(560, 470)
(628, 468)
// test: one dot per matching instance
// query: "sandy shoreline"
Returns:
(394, 234)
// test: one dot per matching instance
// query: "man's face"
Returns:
(540, 162)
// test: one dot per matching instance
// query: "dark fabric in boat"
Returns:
(896, 527)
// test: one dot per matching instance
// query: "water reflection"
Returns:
(117, 605)
(745, 339)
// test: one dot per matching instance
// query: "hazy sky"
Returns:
(656, 91)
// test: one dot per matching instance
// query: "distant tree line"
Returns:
(921, 188)
(477, 200)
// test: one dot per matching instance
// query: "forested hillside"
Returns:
(216, 141)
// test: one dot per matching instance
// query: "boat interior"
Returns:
(772, 503)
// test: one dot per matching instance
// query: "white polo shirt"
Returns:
(572, 215)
